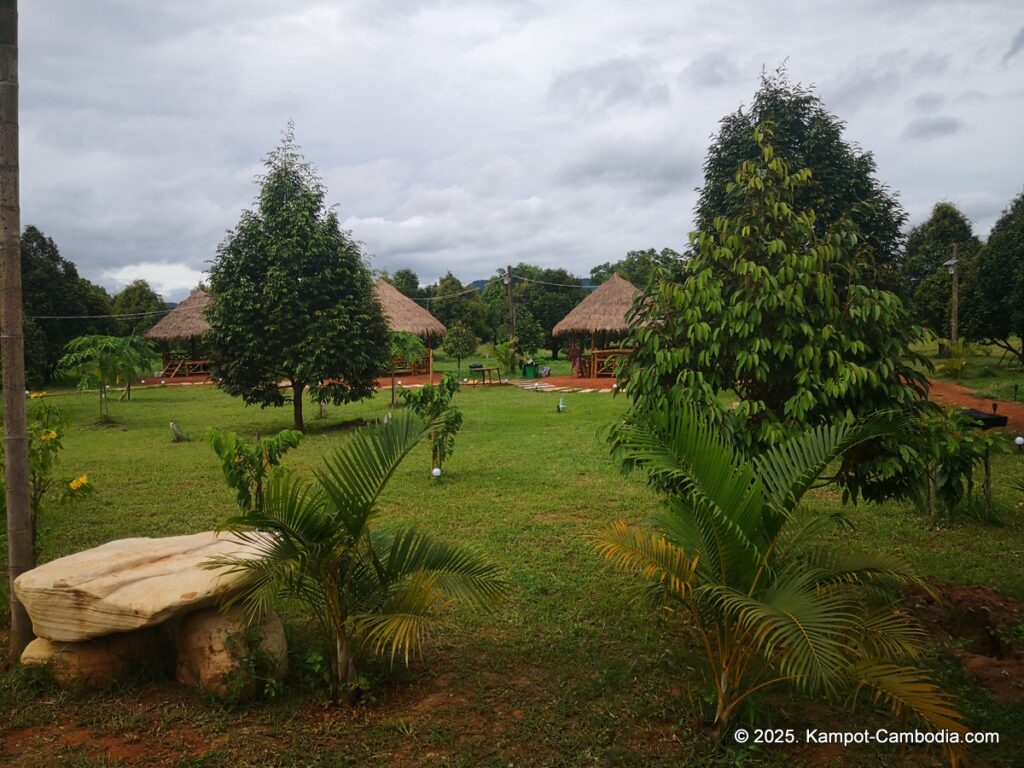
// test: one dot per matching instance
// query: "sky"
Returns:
(463, 135)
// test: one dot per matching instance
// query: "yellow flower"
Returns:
(51, 435)
(78, 482)
(36, 395)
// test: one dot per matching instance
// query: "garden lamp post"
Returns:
(954, 301)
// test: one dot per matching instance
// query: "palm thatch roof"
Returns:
(185, 321)
(603, 311)
(404, 314)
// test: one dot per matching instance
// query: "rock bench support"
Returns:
(126, 585)
(95, 612)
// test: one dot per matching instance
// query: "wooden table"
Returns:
(487, 372)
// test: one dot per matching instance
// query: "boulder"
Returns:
(128, 584)
(93, 663)
(222, 655)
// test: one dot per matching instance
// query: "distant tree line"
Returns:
(61, 305)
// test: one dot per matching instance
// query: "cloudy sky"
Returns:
(466, 134)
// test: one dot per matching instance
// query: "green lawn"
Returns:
(566, 672)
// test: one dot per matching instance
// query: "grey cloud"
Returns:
(615, 83)
(933, 127)
(712, 70)
(654, 167)
(1016, 46)
(928, 102)
(871, 80)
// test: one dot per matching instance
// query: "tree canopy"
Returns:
(52, 287)
(842, 183)
(293, 298)
(407, 282)
(929, 246)
(638, 267)
(783, 315)
(547, 295)
(138, 299)
(997, 295)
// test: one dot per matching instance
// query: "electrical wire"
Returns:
(98, 317)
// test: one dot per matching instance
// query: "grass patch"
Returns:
(567, 672)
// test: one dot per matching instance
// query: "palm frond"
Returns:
(805, 631)
(684, 455)
(460, 573)
(402, 624)
(789, 469)
(652, 556)
(888, 633)
(910, 692)
(355, 474)
(833, 566)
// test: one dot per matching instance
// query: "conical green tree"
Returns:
(293, 297)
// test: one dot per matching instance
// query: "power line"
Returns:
(557, 285)
(99, 317)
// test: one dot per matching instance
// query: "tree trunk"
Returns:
(297, 388)
(20, 546)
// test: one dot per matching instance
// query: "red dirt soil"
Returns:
(990, 622)
(948, 393)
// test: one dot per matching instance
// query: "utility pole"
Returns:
(954, 302)
(511, 306)
(20, 550)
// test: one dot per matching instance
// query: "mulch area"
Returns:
(948, 393)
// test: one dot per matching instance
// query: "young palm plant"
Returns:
(370, 592)
(741, 560)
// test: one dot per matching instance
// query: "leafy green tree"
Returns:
(770, 598)
(549, 295)
(452, 302)
(529, 333)
(997, 296)
(407, 282)
(370, 592)
(842, 184)
(293, 297)
(101, 361)
(459, 342)
(434, 404)
(247, 464)
(137, 298)
(782, 315)
(929, 246)
(52, 287)
(638, 267)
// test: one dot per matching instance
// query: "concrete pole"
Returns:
(20, 546)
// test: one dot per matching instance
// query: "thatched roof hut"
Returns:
(185, 321)
(603, 311)
(404, 314)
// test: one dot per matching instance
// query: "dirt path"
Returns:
(948, 393)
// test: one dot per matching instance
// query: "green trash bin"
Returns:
(530, 371)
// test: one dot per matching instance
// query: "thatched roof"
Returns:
(604, 310)
(404, 314)
(185, 321)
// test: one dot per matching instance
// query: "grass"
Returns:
(567, 672)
